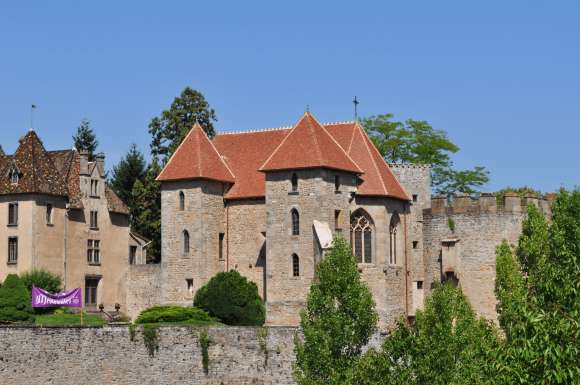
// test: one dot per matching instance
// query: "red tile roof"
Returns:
(309, 145)
(246, 152)
(378, 179)
(196, 158)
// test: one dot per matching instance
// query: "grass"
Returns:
(65, 319)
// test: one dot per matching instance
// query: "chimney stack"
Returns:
(100, 159)
(84, 160)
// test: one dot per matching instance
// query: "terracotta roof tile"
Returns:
(196, 158)
(309, 145)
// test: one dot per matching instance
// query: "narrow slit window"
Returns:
(181, 201)
(185, 242)
(294, 183)
(295, 222)
(295, 266)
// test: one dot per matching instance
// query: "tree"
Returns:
(416, 141)
(447, 344)
(146, 210)
(170, 128)
(85, 139)
(15, 303)
(42, 279)
(233, 299)
(536, 288)
(338, 320)
(131, 168)
(1, 151)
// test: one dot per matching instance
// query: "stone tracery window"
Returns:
(393, 238)
(361, 235)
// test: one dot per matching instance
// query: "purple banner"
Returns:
(42, 298)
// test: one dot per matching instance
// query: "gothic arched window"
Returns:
(295, 222)
(361, 235)
(294, 183)
(181, 201)
(295, 266)
(393, 238)
(185, 242)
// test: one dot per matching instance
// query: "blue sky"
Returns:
(501, 77)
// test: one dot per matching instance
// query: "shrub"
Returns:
(15, 303)
(42, 279)
(233, 299)
(169, 314)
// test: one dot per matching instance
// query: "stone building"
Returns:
(58, 214)
(268, 204)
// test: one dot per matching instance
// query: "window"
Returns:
(93, 252)
(295, 222)
(14, 176)
(12, 214)
(91, 289)
(185, 242)
(48, 214)
(415, 244)
(337, 183)
(414, 197)
(419, 285)
(295, 266)
(94, 188)
(393, 235)
(132, 254)
(12, 250)
(221, 246)
(94, 219)
(189, 283)
(361, 232)
(337, 221)
(294, 183)
(181, 201)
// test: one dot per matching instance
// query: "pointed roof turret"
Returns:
(196, 158)
(37, 172)
(309, 145)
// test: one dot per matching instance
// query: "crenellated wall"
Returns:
(460, 239)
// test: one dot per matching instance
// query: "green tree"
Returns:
(537, 288)
(15, 302)
(416, 141)
(170, 128)
(131, 168)
(233, 299)
(338, 320)
(447, 344)
(42, 279)
(1, 151)
(85, 139)
(146, 210)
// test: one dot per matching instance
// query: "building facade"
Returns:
(58, 214)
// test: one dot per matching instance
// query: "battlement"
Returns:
(488, 203)
(410, 165)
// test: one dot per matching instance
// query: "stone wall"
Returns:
(461, 238)
(108, 356)
(143, 288)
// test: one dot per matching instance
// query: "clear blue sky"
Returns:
(501, 77)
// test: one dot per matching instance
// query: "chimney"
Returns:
(100, 160)
(84, 169)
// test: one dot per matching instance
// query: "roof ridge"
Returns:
(253, 131)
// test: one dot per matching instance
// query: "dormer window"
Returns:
(14, 175)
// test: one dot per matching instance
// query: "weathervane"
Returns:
(32, 108)
(355, 102)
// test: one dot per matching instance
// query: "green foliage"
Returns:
(451, 224)
(174, 314)
(2, 151)
(151, 339)
(446, 345)
(130, 169)
(338, 320)
(15, 302)
(170, 128)
(42, 279)
(85, 139)
(537, 290)
(416, 141)
(233, 299)
(522, 192)
(204, 342)
(146, 210)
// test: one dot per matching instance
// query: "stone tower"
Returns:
(310, 182)
(192, 222)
